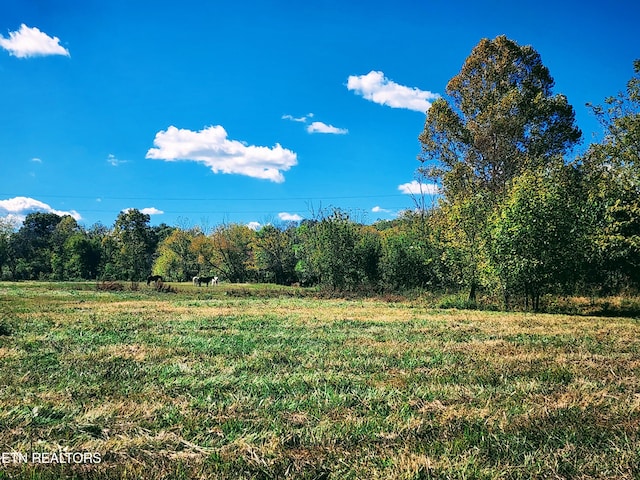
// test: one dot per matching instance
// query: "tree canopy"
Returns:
(501, 119)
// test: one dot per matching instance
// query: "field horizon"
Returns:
(223, 382)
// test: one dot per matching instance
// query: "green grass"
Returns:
(271, 382)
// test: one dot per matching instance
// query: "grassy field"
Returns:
(241, 382)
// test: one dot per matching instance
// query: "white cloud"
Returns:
(151, 211)
(254, 225)
(374, 86)
(146, 211)
(319, 127)
(302, 119)
(31, 42)
(36, 160)
(212, 147)
(378, 209)
(316, 127)
(17, 208)
(289, 217)
(417, 188)
(114, 161)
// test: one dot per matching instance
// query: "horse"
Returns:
(196, 280)
(154, 279)
(206, 280)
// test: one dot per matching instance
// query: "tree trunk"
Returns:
(472, 291)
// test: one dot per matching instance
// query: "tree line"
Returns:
(516, 217)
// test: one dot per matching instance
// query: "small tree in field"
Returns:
(539, 234)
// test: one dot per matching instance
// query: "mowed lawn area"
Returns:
(246, 382)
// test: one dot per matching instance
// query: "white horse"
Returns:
(196, 280)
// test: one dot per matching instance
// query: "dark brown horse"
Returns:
(206, 280)
(154, 279)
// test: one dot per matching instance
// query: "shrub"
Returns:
(109, 286)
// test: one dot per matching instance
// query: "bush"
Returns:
(460, 302)
(108, 286)
(5, 331)
(164, 288)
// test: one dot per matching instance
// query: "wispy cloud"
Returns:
(36, 160)
(417, 188)
(377, 88)
(319, 127)
(316, 127)
(289, 217)
(114, 161)
(17, 208)
(212, 147)
(302, 119)
(31, 42)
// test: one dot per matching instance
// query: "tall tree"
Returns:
(275, 255)
(613, 166)
(501, 119)
(7, 228)
(82, 256)
(177, 259)
(65, 229)
(33, 245)
(342, 256)
(135, 245)
(233, 252)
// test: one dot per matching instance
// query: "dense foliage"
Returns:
(516, 219)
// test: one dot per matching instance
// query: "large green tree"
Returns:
(177, 258)
(500, 119)
(233, 255)
(613, 167)
(274, 253)
(32, 246)
(133, 246)
(539, 234)
(6, 230)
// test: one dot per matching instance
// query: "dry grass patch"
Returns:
(199, 385)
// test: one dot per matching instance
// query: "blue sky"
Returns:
(201, 112)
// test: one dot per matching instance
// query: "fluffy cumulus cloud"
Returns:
(289, 217)
(151, 211)
(146, 211)
(31, 42)
(212, 147)
(417, 188)
(319, 127)
(254, 225)
(377, 88)
(379, 209)
(17, 208)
